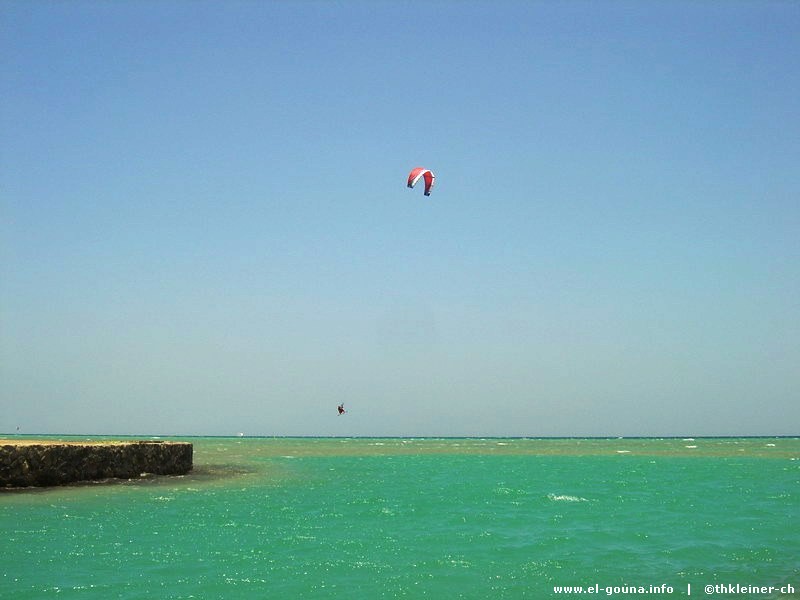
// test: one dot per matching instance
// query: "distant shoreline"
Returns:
(64, 438)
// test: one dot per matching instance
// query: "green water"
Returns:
(418, 518)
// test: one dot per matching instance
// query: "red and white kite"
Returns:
(418, 172)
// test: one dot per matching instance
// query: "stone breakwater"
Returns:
(34, 463)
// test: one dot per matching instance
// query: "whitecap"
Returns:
(623, 451)
(771, 445)
(690, 446)
(565, 498)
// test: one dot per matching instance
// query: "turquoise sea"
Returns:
(421, 518)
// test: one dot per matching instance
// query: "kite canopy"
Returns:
(427, 174)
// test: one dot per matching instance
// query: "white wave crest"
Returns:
(564, 498)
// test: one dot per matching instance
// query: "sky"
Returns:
(205, 227)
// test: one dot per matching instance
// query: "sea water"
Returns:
(421, 518)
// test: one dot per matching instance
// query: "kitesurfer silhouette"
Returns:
(341, 409)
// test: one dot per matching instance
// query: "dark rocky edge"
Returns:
(34, 463)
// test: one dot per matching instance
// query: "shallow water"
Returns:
(417, 518)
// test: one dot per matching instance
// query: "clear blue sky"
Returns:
(206, 229)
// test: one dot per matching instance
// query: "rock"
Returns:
(32, 463)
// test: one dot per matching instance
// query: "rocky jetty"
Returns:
(44, 463)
